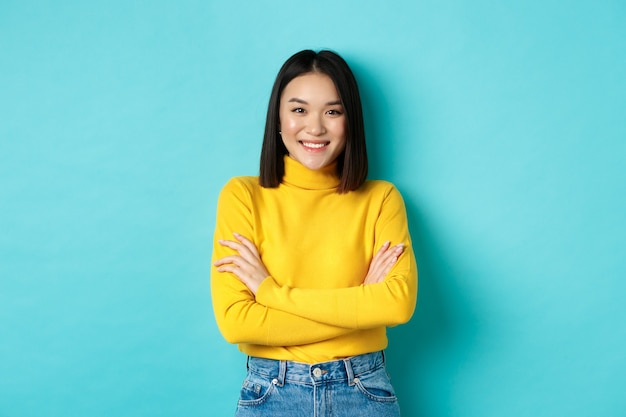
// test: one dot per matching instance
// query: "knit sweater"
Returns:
(317, 246)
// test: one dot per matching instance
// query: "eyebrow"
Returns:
(299, 100)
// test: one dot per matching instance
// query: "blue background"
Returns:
(502, 123)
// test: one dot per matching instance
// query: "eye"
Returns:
(297, 110)
(335, 112)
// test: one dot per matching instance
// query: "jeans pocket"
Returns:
(255, 390)
(376, 386)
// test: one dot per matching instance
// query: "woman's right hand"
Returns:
(246, 265)
(383, 261)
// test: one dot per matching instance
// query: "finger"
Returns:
(233, 259)
(380, 255)
(230, 244)
(391, 257)
(247, 243)
(390, 265)
(387, 250)
(393, 252)
(228, 268)
(239, 273)
(380, 274)
(383, 248)
(242, 249)
(383, 264)
(383, 258)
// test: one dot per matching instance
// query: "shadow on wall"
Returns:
(429, 344)
(425, 347)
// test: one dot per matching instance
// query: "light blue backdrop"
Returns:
(502, 123)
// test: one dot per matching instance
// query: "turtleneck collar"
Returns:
(300, 176)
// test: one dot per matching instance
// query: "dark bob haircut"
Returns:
(352, 162)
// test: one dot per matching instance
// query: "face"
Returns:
(312, 120)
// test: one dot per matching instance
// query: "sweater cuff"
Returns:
(265, 288)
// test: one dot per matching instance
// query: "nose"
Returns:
(315, 125)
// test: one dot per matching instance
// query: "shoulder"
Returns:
(239, 184)
(240, 188)
(384, 192)
(381, 187)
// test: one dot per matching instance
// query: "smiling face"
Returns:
(312, 120)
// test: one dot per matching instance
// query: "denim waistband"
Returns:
(339, 370)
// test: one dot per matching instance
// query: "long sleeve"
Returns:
(388, 303)
(317, 246)
(240, 318)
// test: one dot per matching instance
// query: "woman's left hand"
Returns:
(247, 266)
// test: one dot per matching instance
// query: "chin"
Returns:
(315, 165)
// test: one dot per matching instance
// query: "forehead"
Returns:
(311, 86)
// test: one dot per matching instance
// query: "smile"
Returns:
(314, 145)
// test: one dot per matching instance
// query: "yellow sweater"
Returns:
(317, 246)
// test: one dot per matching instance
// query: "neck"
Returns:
(300, 176)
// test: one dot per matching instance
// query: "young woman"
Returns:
(312, 262)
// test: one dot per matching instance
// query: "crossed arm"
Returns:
(251, 307)
(272, 325)
(249, 268)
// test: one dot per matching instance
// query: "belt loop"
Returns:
(247, 363)
(383, 353)
(282, 372)
(349, 372)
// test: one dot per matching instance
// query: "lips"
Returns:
(313, 145)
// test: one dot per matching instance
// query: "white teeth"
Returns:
(313, 145)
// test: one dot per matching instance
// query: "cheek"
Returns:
(288, 124)
(339, 129)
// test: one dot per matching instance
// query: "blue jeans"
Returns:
(356, 386)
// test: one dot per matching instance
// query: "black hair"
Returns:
(352, 163)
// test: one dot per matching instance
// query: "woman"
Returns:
(311, 261)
